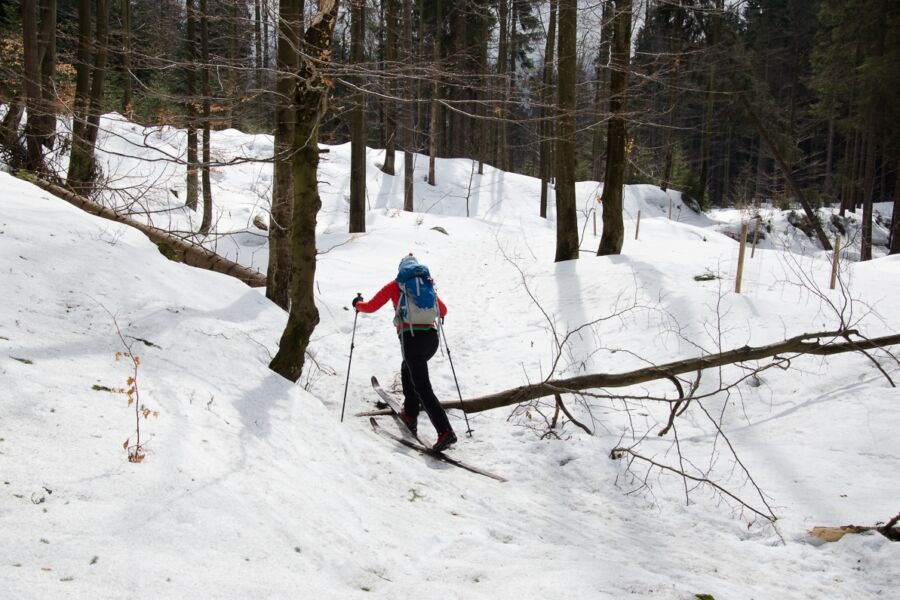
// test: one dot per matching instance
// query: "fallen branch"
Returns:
(807, 343)
(189, 253)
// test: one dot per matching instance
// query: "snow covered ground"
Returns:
(253, 488)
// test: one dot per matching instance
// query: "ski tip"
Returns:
(374, 380)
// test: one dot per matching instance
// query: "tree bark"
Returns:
(32, 86)
(895, 217)
(191, 105)
(799, 345)
(433, 125)
(89, 86)
(546, 127)
(126, 58)
(358, 133)
(206, 221)
(501, 156)
(310, 101)
(607, 28)
(46, 125)
(566, 215)
(865, 251)
(278, 287)
(613, 236)
(390, 105)
(409, 115)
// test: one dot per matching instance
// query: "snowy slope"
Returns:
(253, 488)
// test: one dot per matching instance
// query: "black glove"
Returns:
(357, 299)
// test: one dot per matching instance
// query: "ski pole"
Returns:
(352, 343)
(453, 370)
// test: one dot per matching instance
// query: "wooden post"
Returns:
(670, 209)
(834, 261)
(637, 227)
(595, 223)
(740, 265)
(756, 235)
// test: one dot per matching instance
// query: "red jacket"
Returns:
(391, 292)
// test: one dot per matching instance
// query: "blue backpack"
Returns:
(418, 301)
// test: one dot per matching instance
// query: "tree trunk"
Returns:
(46, 124)
(89, 85)
(126, 58)
(566, 215)
(607, 28)
(486, 95)
(257, 40)
(190, 107)
(358, 134)
(206, 221)
(706, 135)
(232, 70)
(9, 134)
(265, 36)
(390, 105)
(895, 217)
(799, 345)
(613, 236)
(865, 250)
(278, 284)
(501, 160)
(546, 128)
(460, 124)
(32, 85)
(310, 101)
(409, 115)
(101, 52)
(510, 124)
(435, 90)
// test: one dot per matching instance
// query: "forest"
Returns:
(679, 90)
(790, 103)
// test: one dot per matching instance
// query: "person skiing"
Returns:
(417, 329)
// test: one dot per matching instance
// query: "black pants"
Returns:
(418, 349)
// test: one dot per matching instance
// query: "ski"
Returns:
(395, 410)
(429, 452)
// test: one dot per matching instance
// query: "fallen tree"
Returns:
(187, 252)
(807, 343)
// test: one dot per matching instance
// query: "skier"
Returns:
(418, 343)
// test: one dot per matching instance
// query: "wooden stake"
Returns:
(595, 223)
(670, 209)
(756, 235)
(740, 265)
(834, 261)
(637, 227)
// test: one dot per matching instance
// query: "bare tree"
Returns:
(613, 235)
(566, 216)
(358, 132)
(310, 102)
(90, 77)
(278, 285)
(206, 221)
(546, 126)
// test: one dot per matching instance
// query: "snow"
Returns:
(252, 487)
